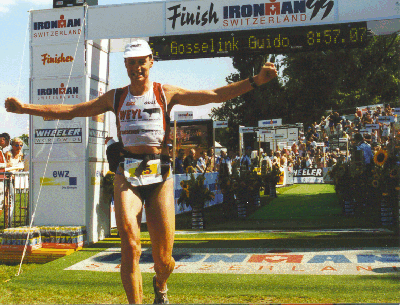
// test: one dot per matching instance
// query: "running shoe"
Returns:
(160, 296)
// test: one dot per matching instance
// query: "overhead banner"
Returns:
(193, 17)
(270, 123)
(58, 60)
(57, 26)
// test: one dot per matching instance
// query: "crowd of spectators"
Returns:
(317, 146)
(11, 153)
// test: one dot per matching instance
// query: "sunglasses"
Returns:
(18, 145)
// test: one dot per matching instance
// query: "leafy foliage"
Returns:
(317, 81)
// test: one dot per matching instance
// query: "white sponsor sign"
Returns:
(266, 135)
(57, 26)
(342, 140)
(269, 123)
(246, 129)
(61, 182)
(364, 131)
(293, 134)
(58, 90)
(178, 17)
(375, 262)
(58, 60)
(372, 126)
(220, 124)
(387, 119)
(183, 115)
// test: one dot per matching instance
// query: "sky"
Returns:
(15, 66)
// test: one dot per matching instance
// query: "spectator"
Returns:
(190, 161)
(211, 159)
(179, 168)
(14, 157)
(4, 142)
(224, 163)
(245, 161)
(202, 162)
(365, 147)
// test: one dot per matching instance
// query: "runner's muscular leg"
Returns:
(128, 213)
(160, 218)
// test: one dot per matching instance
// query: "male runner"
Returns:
(141, 128)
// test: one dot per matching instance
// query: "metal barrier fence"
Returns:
(14, 199)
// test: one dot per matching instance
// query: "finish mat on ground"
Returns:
(371, 261)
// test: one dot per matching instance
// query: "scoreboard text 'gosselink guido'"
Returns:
(264, 41)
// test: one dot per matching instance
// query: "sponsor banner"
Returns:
(57, 26)
(366, 262)
(387, 119)
(178, 17)
(220, 124)
(266, 135)
(342, 140)
(279, 136)
(61, 183)
(67, 137)
(372, 126)
(183, 115)
(58, 135)
(269, 123)
(58, 90)
(293, 134)
(247, 129)
(320, 144)
(58, 60)
(194, 16)
(308, 175)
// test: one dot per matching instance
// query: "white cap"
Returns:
(137, 48)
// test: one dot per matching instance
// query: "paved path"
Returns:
(361, 261)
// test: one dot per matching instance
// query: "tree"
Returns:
(311, 83)
(25, 139)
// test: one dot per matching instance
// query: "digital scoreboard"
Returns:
(262, 41)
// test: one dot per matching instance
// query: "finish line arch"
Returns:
(70, 49)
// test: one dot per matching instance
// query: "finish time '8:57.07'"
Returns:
(337, 36)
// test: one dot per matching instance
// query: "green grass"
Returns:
(298, 207)
(317, 207)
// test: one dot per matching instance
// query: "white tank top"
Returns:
(140, 119)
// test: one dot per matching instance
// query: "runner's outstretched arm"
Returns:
(93, 107)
